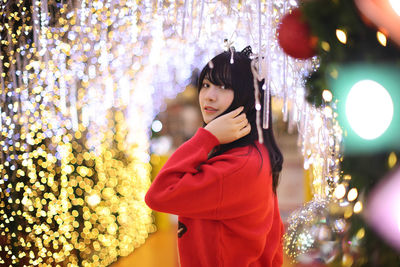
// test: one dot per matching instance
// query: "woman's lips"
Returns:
(209, 109)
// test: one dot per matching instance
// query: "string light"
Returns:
(327, 95)
(341, 36)
(392, 160)
(360, 233)
(325, 46)
(381, 38)
(340, 191)
(156, 126)
(358, 207)
(352, 194)
(321, 142)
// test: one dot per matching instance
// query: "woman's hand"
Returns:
(230, 126)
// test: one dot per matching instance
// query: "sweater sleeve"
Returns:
(189, 184)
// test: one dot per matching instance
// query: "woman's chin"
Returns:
(207, 121)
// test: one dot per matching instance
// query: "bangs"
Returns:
(220, 74)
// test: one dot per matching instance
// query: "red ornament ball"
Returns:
(294, 36)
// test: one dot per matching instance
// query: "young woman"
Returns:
(222, 182)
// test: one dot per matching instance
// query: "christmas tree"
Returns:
(358, 51)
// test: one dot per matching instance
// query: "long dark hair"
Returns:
(238, 77)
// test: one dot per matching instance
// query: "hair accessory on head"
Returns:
(247, 51)
(257, 100)
(256, 67)
(232, 49)
(228, 44)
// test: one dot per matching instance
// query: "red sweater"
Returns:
(228, 213)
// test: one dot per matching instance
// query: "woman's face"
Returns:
(214, 100)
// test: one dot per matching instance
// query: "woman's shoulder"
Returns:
(249, 163)
(238, 157)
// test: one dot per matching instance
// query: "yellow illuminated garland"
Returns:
(73, 181)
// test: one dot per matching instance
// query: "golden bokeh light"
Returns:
(73, 184)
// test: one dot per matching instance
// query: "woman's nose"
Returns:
(211, 94)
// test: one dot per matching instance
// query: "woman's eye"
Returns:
(205, 85)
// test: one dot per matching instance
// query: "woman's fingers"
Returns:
(238, 120)
(245, 130)
(229, 127)
(240, 117)
(236, 112)
(242, 123)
